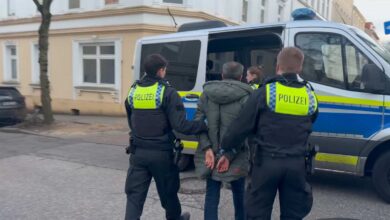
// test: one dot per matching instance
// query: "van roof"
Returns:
(290, 24)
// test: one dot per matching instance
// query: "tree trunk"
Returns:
(43, 60)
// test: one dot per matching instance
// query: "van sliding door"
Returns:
(186, 66)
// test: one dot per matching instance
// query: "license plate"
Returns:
(10, 103)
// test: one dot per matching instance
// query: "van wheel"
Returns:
(381, 176)
(184, 162)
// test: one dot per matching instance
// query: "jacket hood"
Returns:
(226, 91)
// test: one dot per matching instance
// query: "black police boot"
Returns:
(185, 216)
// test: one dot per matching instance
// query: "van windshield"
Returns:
(385, 54)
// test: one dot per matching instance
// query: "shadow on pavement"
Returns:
(345, 184)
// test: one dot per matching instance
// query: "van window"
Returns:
(215, 62)
(265, 58)
(355, 61)
(183, 58)
(323, 58)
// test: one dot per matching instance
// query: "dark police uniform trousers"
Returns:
(154, 109)
(145, 164)
(286, 175)
(280, 114)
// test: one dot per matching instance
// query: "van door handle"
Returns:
(192, 97)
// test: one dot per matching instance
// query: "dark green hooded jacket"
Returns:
(220, 104)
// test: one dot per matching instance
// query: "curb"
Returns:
(24, 131)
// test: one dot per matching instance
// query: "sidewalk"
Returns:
(91, 129)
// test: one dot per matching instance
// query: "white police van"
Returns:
(348, 70)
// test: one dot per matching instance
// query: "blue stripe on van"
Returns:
(359, 123)
(362, 122)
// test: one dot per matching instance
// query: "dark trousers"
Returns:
(213, 189)
(286, 175)
(145, 164)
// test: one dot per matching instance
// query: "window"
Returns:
(215, 62)
(262, 10)
(11, 7)
(327, 9)
(98, 63)
(323, 8)
(356, 62)
(173, 1)
(35, 64)
(244, 10)
(73, 4)
(11, 63)
(183, 59)
(111, 2)
(323, 58)
(280, 12)
(333, 60)
(265, 57)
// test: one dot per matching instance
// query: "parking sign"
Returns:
(387, 27)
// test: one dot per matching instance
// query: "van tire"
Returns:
(184, 162)
(381, 176)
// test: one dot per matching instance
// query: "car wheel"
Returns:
(381, 176)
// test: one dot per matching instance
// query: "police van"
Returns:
(348, 70)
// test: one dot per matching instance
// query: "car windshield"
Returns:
(385, 54)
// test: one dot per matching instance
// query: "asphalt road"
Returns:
(50, 178)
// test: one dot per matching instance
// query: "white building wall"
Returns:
(228, 9)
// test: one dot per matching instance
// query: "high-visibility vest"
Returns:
(290, 100)
(150, 97)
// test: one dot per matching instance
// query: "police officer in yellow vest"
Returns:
(280, 114)
(154, 109)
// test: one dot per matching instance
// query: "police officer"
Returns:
(255, 76)
(154, 109)
(280, 114)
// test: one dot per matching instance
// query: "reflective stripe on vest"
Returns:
(150, 97)
(291, 101)
(255, 86)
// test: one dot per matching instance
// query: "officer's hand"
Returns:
(210, 159)
(223, 164)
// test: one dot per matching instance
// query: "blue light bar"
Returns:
(303, 14)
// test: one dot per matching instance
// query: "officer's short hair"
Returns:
(153, 63)
(232, 70)
(290, 59)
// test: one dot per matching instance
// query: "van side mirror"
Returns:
(373, 79)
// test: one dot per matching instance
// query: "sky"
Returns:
(376, 11)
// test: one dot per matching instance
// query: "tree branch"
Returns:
(39, 6)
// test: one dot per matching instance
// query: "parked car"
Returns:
(12, 105)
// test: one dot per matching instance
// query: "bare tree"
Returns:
(43, 7)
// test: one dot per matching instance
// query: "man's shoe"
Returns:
(185, 216)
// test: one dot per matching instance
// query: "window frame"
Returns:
(344, 40)
(7, 67)
(78, 72)
(194, 86)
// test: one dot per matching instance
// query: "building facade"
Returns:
(92, 43)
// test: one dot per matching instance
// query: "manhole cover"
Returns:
(192, 185)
